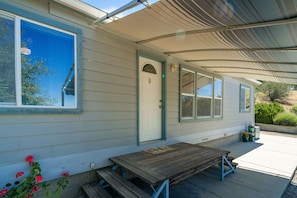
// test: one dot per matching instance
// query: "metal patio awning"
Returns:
(254, 39)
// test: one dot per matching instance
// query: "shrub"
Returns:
(285, 119)
(264, 112)
(294, 109)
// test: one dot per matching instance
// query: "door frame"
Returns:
(163, 93)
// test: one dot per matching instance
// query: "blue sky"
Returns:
(111, 5)
(56, 49)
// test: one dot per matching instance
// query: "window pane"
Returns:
(48, 72)
(187, 79)
(218, 88)
(203, 107)
(204, 85)
(245, 99)
(187, 106)
(7, 61)
(217, 107)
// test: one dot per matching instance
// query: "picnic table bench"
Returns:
(168, 165)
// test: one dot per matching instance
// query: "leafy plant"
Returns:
(285, 119)
(294, 109)
(245, 134)
(264, 112)
(33, 183)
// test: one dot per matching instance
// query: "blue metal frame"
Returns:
(223, 172)
(162, 188)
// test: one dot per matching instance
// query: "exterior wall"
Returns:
(107, 125)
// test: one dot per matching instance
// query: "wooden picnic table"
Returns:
(170, 164)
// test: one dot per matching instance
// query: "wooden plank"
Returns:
(186, 167)
(230, 158)
(188, 160)
(183, 160)
(121, 185)
(176, 179)
(141, 171)
(94, 190)
(214, 149)
(234, 164)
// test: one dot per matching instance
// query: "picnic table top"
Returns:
(165, 163)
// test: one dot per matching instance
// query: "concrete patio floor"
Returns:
(264, 171)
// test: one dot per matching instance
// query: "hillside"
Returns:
(287, 102)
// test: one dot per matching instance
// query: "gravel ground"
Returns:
(291, 191)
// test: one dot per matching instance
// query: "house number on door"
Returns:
(150, 81)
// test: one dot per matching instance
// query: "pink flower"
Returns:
(29, 159)
(35, 188)
(29, 195)
(3, 192)
(65, 174)
(38, 178)
(19, 174)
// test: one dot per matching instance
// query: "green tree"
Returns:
(274, 91)
(7, 63)
(32, 71)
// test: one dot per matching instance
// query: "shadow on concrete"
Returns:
(241, 148)
(243, 184)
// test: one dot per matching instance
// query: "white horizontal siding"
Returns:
(109, 97)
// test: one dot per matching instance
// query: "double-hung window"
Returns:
(38, 65)
(201, 95)
(245, 99)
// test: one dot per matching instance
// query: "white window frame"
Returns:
(17, 107)
(195, 117)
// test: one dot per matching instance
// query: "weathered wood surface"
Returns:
(94, 190)
(180, 162)
(121, 185)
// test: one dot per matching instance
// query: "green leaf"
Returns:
(36, 171)
(47, 194)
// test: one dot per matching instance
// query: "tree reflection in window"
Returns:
(34, 74)
(7, 61)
